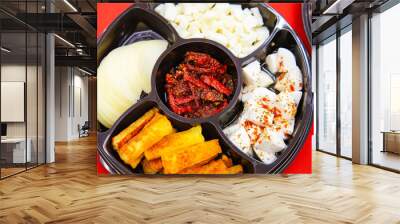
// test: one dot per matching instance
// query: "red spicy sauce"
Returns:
(198, 87)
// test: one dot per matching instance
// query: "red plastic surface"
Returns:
(292, 12)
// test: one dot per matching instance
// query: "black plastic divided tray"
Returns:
(141, 22)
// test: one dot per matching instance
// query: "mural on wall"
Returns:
(206, 88)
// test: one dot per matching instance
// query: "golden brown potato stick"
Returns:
(213, 167)
(133, 162)
(158, 127)
(175, 141)
(228, 162)
(235, 169)
(152, 166)
(175, 161)
(124, 136)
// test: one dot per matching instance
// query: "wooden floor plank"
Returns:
(69, 191)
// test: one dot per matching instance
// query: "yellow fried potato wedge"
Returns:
(152, 166)
(158, 127)
(135, 162)
(175, 161)
(175, 141)
(213, 167)
(235, 169)
(228, 161)
(133, 129)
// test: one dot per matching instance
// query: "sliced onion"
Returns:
(122, 76)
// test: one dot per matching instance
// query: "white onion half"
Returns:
(122, 76)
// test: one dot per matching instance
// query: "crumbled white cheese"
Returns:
(240, 30)
(257, 15)
(170, 11)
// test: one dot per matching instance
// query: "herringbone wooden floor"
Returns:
(70, 192)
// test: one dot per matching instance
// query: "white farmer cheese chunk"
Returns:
(287, 102)
(270, 141)
(285, 126)
(286, 105)
(170, 11)
(257, 114)
(238, 136)
(261, 33)
(257, 15)
(258, 107)
(290, 81)
(254, 76)
(266, 157)
(280, 61)
(160, 9)
(258, 93)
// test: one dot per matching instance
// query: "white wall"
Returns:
(62, 81)
(80, 110)
(71, 94)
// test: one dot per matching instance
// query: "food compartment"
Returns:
(209, 133)
(305, 107)
(129, 48)
(134, 20)
(267, 129)
(104, 144)
(267, 13)
(242, 28)
(175, 55)
(286, 39)
(270, 19)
